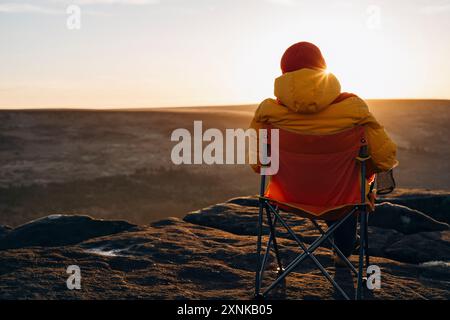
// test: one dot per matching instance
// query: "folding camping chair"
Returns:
(319, 178)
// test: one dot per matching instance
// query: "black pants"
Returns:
(345, 235)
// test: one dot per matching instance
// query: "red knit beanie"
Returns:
(302, 55)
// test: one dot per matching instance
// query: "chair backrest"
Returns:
(318, 173)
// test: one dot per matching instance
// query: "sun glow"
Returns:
(199, 55)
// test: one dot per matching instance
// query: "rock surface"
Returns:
(211, 254)
(404, 219)
(59, 230)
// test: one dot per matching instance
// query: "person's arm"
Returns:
(255, 126)
(382, 149)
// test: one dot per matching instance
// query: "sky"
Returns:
(159, 53)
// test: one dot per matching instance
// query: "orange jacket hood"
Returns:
(307, 90)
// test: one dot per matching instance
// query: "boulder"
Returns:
(404, 219)
(4, 230)
(60, 230)
(432, 203)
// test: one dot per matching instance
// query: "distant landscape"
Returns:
(116, 164)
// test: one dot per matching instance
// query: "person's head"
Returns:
(300, 56)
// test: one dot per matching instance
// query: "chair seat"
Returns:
(314, 212)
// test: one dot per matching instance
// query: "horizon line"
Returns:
(35, 108)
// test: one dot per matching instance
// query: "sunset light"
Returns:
(174, 53)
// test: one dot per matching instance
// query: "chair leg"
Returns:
(366, 241)
(274, 239)
(258, 250)
(362, 228)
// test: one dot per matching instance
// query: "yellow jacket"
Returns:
(306, 104)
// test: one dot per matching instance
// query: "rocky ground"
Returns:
(210, 254)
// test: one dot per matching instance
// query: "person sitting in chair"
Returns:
(309, 101)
